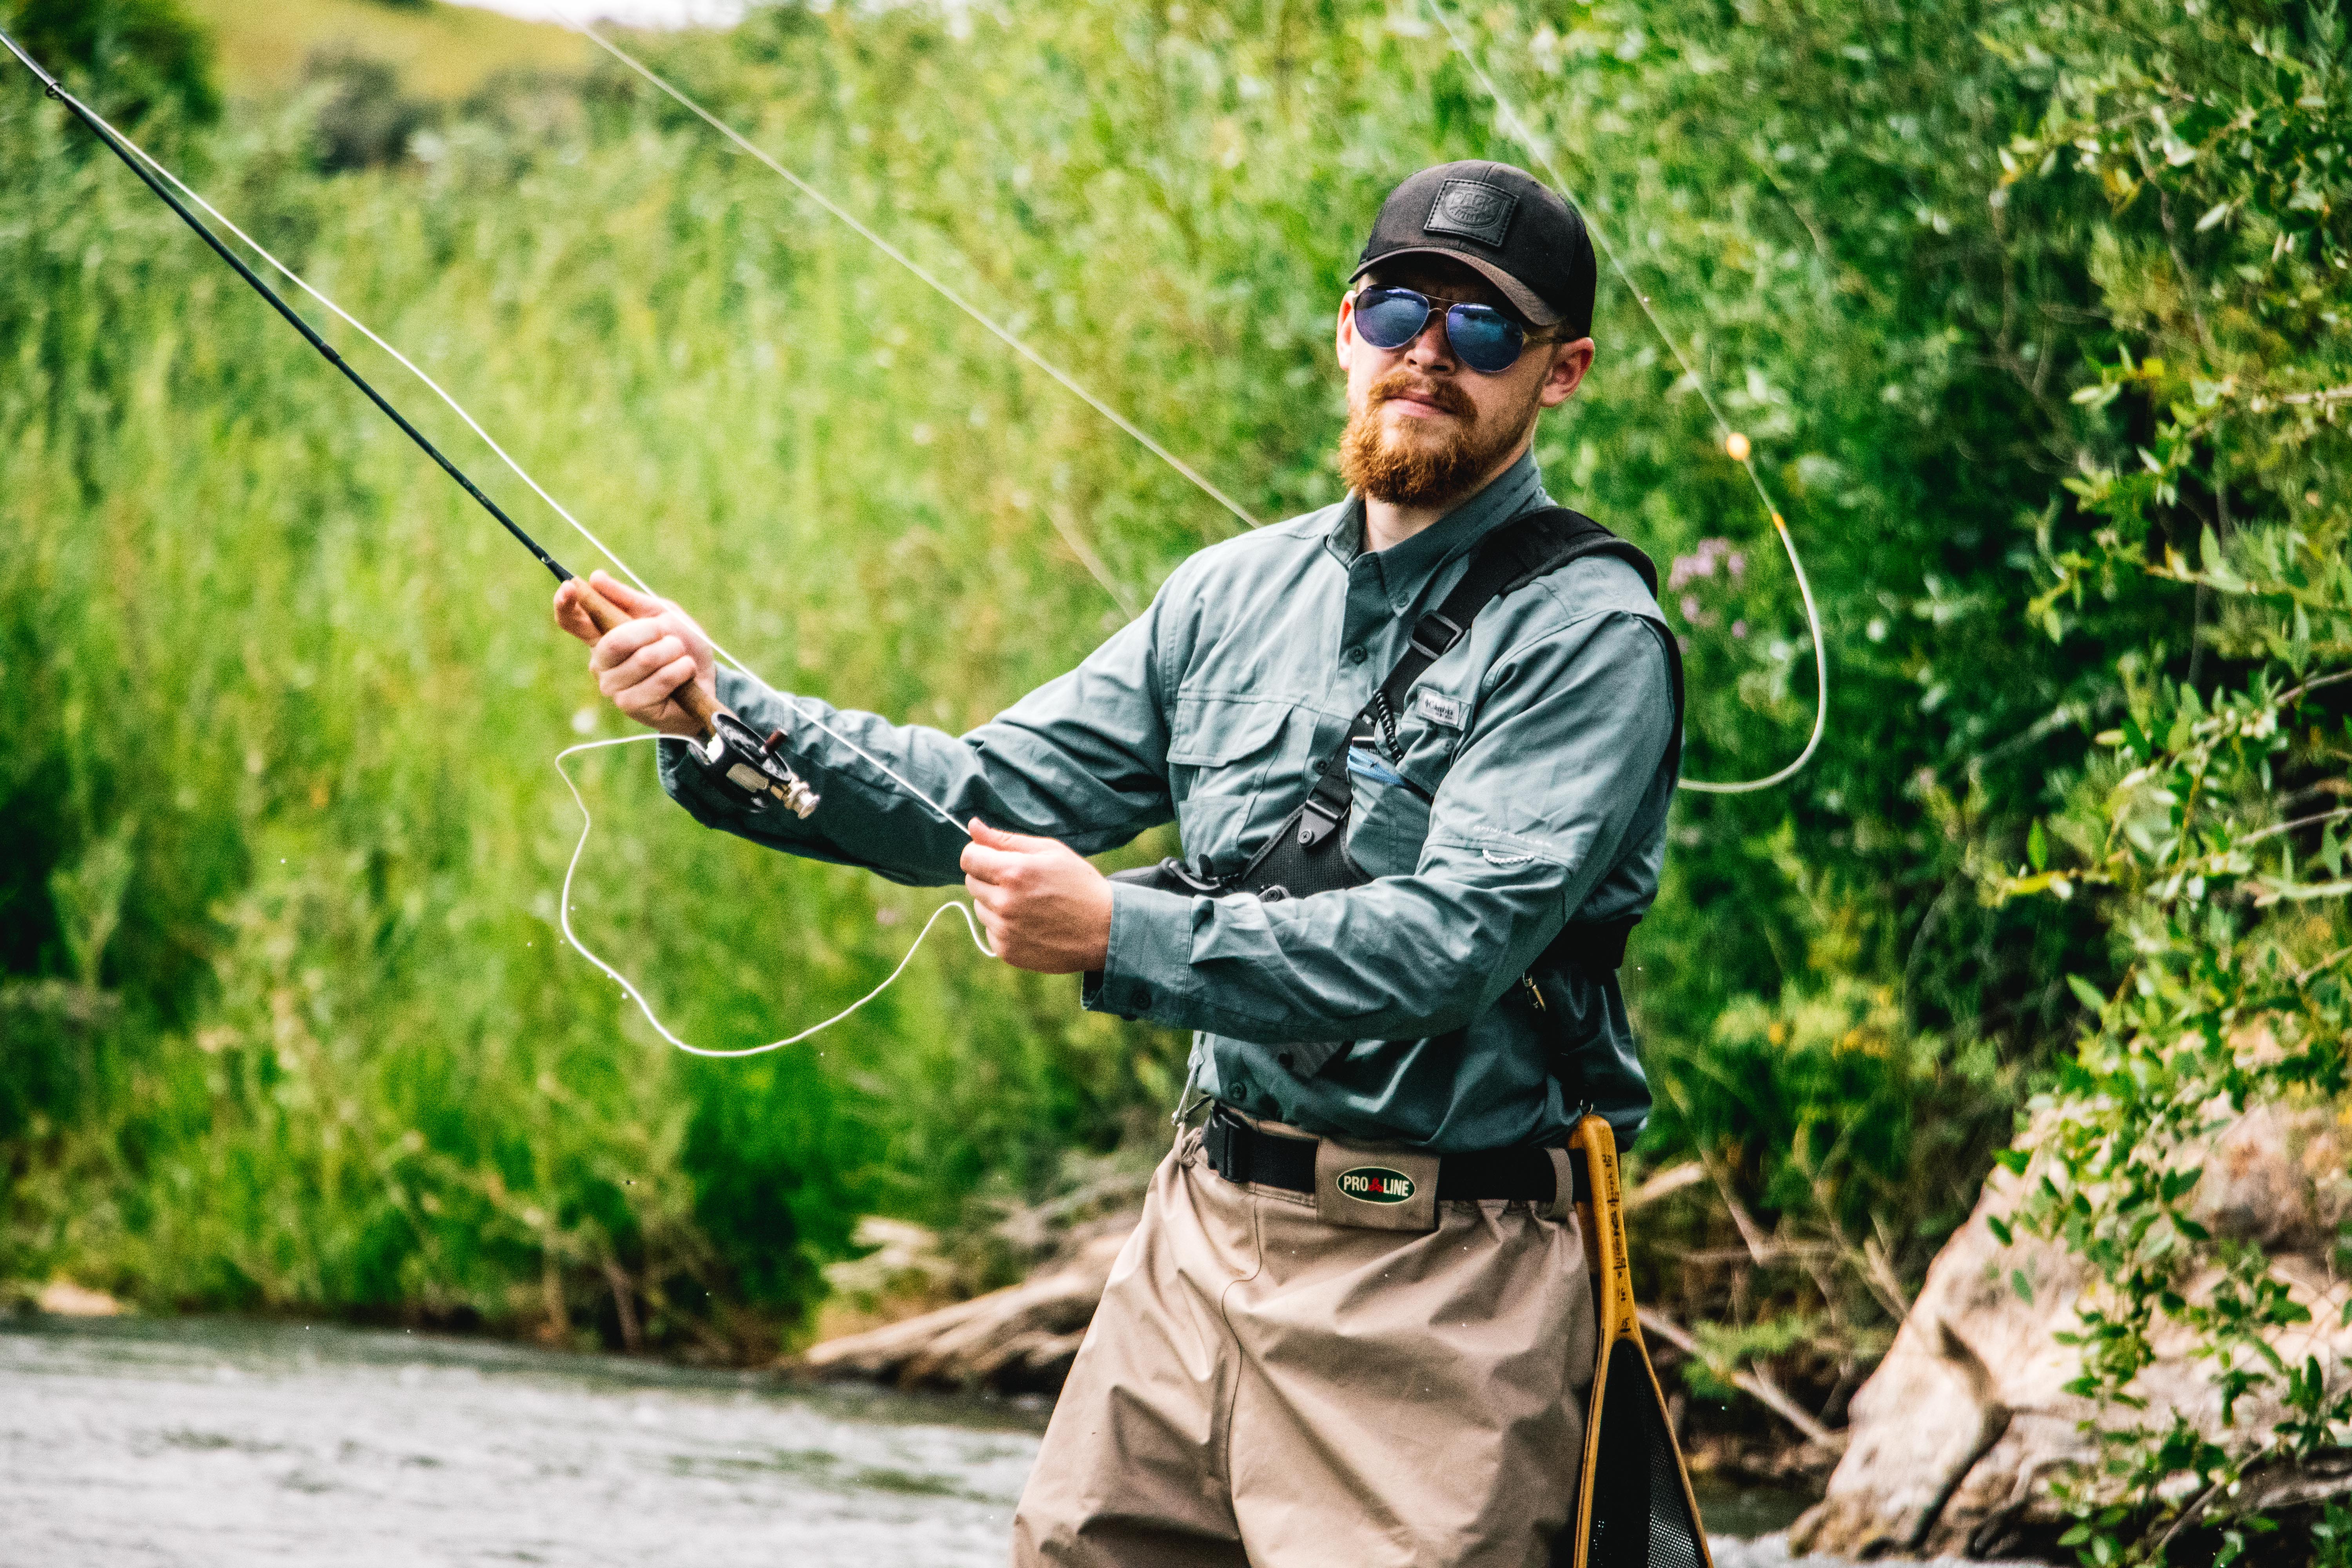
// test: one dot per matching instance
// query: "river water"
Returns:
(200, 1442)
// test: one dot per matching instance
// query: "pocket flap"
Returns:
(1212, 730)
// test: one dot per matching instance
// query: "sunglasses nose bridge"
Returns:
(1435, 339)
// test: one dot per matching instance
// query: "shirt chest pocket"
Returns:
(1389, 797)
(1222, 755)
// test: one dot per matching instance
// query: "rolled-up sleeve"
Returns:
(1082, 759)
(1569, 737)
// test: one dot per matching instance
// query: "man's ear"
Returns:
(1569, 362)
(1343, 340)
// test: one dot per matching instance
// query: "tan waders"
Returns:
(1361, 1374)
(1264, 1385)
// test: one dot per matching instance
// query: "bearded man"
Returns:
(1419, 745)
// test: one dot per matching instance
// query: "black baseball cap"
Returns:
(1502, 221)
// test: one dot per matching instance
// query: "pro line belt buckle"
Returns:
(1375, 1189)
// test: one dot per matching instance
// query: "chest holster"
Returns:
(1309, 853)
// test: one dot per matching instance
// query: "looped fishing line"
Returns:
(1014, 342)
(630, 572)
(587, 824)
(563, 910)
(1735, 445)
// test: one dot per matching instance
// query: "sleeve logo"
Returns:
(1438, 708)
(1376, 1184)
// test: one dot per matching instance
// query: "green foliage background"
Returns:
(288, 1022)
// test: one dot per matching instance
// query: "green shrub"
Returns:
(140, 56)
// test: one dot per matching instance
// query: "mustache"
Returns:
(1402, 382)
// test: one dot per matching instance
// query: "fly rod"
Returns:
(745, 766)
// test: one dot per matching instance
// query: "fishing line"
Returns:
(563, 910)
(1003, 334)
(1735, 445)
(153, 170)
(155, 175)
(522, 473)
(602, 548)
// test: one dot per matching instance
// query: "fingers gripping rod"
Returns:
(743, 764)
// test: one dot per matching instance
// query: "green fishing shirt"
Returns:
(1540, 742)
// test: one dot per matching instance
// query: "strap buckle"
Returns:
(1435, 633)
(1317, 818)
(1226, 1141)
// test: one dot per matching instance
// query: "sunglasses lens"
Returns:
(1390, 317)
(1486, 339)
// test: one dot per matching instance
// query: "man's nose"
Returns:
(1432, 351)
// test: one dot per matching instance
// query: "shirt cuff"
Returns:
(1150, 960)
(683, 778)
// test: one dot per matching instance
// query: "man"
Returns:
(1354, 1325)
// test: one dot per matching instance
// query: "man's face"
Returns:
(1423, 428)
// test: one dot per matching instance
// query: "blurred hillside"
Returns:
(442, 52)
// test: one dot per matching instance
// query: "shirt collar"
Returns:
(1406, 568)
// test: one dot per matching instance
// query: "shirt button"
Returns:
(1141, 998)
(1356, 656)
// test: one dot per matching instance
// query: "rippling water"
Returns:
(211, 1443)
(201, 1442)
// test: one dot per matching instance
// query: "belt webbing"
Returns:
(1241, 1153)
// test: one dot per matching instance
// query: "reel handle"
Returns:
(694, 696)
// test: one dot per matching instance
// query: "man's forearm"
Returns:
(1402, 956)
(1525, 823)
(866, 819)
(1034, 771)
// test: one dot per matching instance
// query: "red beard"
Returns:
(1418, 466)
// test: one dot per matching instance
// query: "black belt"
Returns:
(1241, 1153)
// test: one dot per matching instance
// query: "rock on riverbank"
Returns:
(1953, 1435)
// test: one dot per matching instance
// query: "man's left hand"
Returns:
(1045, 909)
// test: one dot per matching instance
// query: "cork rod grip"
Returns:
(694, 696)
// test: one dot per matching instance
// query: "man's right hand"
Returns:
(644, 663)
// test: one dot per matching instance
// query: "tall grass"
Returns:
(443, 51)
(267, 643)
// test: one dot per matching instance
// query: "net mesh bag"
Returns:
(1641, 1517)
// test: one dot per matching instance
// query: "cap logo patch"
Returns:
(1474, 209)
(1376, 1184)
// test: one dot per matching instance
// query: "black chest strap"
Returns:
(1515, 555)
(1308, 855)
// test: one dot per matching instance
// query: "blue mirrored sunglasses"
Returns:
(1484, 338)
